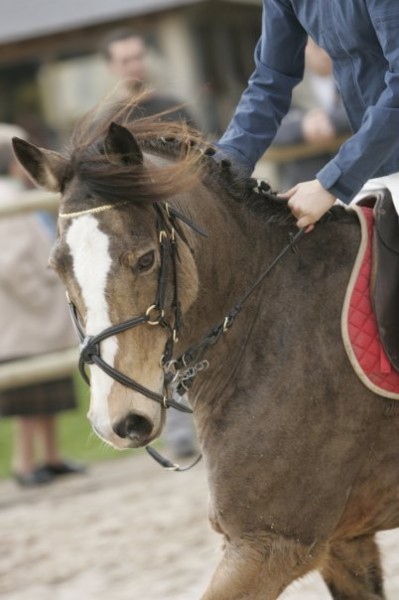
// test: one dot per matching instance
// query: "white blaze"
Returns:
(89, 248)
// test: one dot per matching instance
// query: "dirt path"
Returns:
(125, 531)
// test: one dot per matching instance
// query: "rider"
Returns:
(362, 39)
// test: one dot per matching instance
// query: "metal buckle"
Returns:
(161, 314)
(227, 323)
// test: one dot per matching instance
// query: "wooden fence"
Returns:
(30, 201)
(283, 154)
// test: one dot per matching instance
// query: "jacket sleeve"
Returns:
(279, 66)
(377, 138)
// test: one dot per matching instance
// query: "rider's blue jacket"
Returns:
(362, 38)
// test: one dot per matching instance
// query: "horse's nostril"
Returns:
(134, 427)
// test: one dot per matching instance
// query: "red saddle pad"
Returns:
(359, 325)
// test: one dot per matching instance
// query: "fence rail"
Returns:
(292, 152)
(44, 367)
(30, 201)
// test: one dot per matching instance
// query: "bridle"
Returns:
(168, 231)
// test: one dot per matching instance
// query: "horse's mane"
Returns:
(192, 161)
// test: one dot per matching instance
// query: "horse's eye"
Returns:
(145, 262)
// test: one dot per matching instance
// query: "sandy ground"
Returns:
(125, 531)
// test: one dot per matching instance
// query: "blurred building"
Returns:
(51, 70)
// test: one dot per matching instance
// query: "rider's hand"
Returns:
(308, 202)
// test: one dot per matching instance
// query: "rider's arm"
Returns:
(360, 157)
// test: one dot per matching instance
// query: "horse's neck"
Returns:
(228, 263)
(228, 259)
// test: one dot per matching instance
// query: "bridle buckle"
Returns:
(160, 316)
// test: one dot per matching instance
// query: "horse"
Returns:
(157, 243)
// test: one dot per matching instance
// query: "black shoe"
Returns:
(64, 468)
(36, 477)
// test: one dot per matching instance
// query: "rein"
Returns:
(184, 375)
(180, 372)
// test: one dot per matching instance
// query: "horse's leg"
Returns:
(249, 572)
(353, 570)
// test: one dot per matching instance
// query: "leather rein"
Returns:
(179, 373)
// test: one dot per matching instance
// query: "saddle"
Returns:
(385, 272)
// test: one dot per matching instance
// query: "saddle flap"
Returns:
(386, 221)
(385, 274)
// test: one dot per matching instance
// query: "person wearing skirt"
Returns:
(34, 320)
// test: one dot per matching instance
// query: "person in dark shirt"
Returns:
(125, 52)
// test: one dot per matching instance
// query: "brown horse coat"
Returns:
(301, 457)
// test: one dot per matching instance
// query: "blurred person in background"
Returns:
(34, 320)
(126, 55)
(125, 52)
(317, 116)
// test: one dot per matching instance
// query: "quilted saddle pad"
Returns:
(358, 323)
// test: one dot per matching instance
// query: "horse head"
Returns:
(117, 255)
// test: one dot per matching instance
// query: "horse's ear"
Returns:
(122, 146)
(46, 168)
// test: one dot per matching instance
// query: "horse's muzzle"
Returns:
(134, 428)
